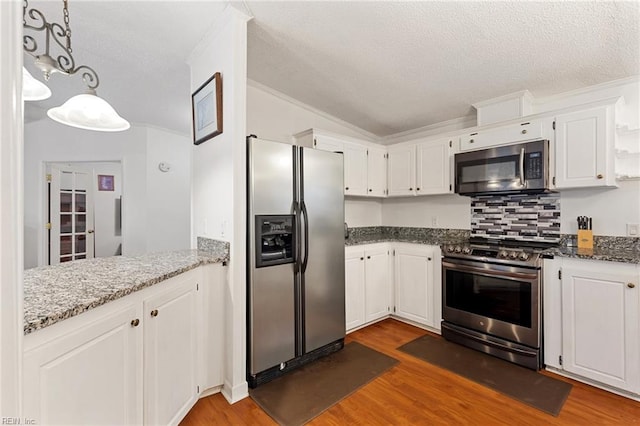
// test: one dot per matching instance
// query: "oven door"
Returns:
(500, 300)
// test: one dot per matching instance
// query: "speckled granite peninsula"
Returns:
(54, 293)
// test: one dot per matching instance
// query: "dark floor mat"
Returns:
(534, 389)
(302, 394)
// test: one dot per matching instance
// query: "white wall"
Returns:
(274, 116)
(448, 211)
(146, 210)
(108, 239)
(219, 180)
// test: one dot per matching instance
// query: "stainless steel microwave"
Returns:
(520, 168)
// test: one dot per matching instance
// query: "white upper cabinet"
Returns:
(433, 171)
(423, 168)
(355, 169)
(511, 133)
(365, 163)
(584, 143)
(401, 173)
(377, 172)
(327, 143)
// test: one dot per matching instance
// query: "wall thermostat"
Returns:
(164, 167)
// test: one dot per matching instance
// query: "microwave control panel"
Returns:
(533, 165)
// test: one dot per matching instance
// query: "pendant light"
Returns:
(32, 89)
(85, 111)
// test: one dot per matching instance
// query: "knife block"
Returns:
(585, 239)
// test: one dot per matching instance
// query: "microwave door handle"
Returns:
(522, 182)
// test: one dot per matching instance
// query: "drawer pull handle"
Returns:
(154, 313)
(135, 322)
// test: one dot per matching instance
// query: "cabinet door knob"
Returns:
(347, 188)
(368, 257)
(428, 258)
(524, 131)
(471, 141)
(135, 322)
(362, 258)
(417, 189)
(600, 176)
(631, 285)
(410, 189)
(154, 313)
(370, 190)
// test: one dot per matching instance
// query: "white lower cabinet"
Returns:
(91, 375)
(600, 323)
(414, 282)
(367, 284)
(140, 359)
(170, 353)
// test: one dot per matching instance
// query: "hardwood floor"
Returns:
(415, 392)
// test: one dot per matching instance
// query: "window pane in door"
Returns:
(65, 245)
(65, 259)
(81, 243)
(81, 202)
(81, 223)
(65, 201)
(65, 223)
(81, 256)
(66, 181)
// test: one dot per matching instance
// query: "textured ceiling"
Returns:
(389, 67)
(385, 67)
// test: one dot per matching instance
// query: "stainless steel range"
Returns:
(492, 299)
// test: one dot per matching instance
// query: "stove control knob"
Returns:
(466, 250)
(450, 249)
(503, 254)
(458, 249)
(523, 256)
(513, 255)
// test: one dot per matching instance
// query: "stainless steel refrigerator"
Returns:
(295, 257)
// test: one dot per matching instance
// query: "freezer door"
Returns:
(271, 289)
(321, 193)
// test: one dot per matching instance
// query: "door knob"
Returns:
(154, 313)
(90, 231)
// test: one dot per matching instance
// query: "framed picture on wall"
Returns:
(105, 182)
(206, 106)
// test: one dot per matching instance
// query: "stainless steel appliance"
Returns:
(520, 168)
(295, 257)
(492, 299)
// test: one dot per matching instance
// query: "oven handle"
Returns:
(481, 271)
(522, 183)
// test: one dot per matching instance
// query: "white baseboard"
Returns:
(235, 393)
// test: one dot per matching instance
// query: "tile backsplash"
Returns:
(530, 217)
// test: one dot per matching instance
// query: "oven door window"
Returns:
(498, 298)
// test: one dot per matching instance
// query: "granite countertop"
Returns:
(611, 249)
(54, 293)
(610, 254)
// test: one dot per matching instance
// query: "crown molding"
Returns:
(588, 89)
(440, 128)
(371, 136)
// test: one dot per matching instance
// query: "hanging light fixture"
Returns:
(85, 111)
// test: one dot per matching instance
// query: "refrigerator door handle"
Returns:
(306, 237)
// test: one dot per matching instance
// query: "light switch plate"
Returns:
(633, 230)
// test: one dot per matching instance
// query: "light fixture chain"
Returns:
(25, 5)
(65, 11)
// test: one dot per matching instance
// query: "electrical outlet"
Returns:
(633, 230)
(434, 220)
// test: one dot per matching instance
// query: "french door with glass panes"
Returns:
(71, 219)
